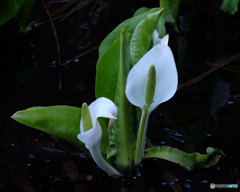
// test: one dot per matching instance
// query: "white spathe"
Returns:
(166, 75)
(102, 107)
(165, 85)
(157, 40)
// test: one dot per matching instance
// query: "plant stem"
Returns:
(100, 161)
(125, 156)
(140, 144)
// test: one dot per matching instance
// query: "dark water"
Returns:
(204, 114)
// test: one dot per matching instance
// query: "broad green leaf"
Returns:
(187, 160)
(122, 139)
(107, 65)
(161, 26)
(8, 9)
(24, 14)
(107, 72)
(171, 5)
(229, 6)
(142, 36)
(170, 12)
(140, 11)
(60, 121)
(128, 24)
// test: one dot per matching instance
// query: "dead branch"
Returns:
(80, 55)
(79, 6)
(214, 66)
(57, 43)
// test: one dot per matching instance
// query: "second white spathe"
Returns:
(102, 107)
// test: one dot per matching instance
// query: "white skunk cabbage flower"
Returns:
(152, 81)
(165, 81)
(91, 131)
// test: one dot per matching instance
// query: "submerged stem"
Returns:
(141, 138)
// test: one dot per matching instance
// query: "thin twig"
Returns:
(54, 32)
(56, 15)
(64, 7)
(215, 66)
(57, 43)
(77, 7)
(47, 21)
(80, 55)
(105, 5)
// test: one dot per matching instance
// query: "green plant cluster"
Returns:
(118, 53)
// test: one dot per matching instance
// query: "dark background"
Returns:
(204, 114)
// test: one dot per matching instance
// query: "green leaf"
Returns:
(122, 139)
(229, 6)
(107, 72)
(170, 12)
(107, 65)
(161, 27)
(171, 7)
(8, 9)
(24, 14)
(128, 24)
(142, 36)
(105, 135)
(140, 11)
(187, 160)
(60, 121)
